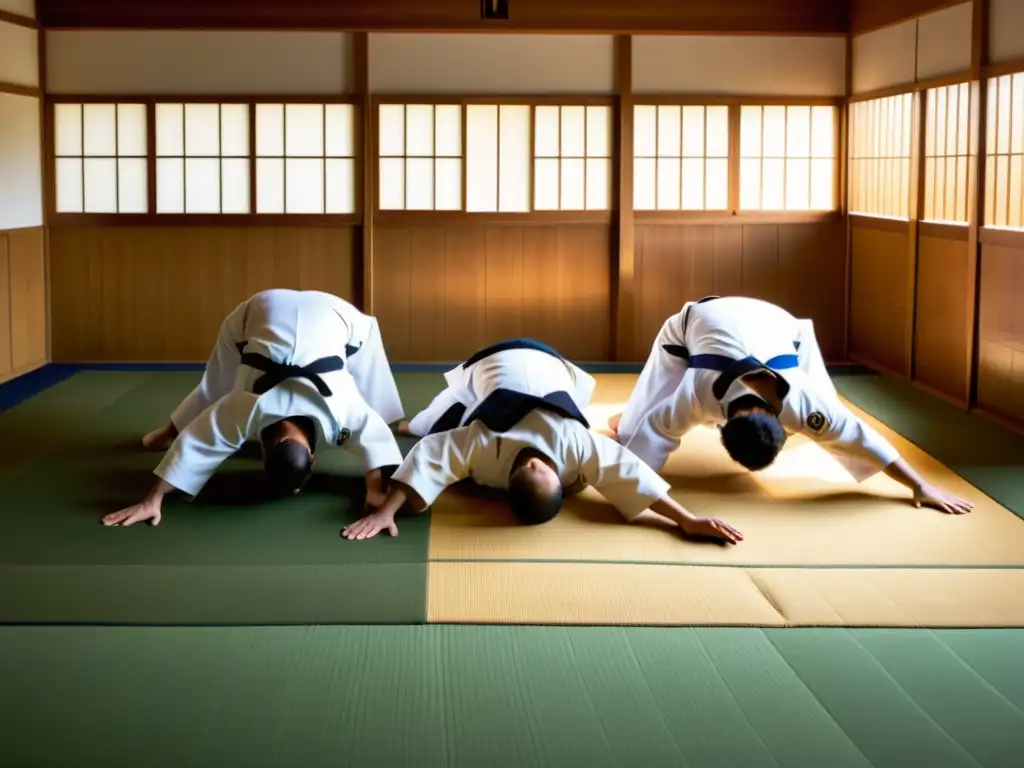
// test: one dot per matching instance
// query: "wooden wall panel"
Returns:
(26, 278)
(153, 294)
(5, 308)
(879, 291)
(441, 293)
(1001, 331)
(941, 320)
(799, 266)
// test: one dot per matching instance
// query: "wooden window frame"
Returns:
(154, 219)
(916, 173)
(509, 218)
(733, 214)
(997, 234)
(943, 224)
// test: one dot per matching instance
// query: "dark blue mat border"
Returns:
(17, 391)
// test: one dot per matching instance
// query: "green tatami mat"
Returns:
(227, 558)
(57, 415)
(509, 696)
(986, 455)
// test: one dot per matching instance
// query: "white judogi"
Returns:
(485, 456)
(670, 397)
(529, 371)
(294, 328)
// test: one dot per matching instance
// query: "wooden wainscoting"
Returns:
(1001, 325)
(153, 294)
(801, 266)
(443, 292)
(942, 322)
(22, 301)
(880, 292)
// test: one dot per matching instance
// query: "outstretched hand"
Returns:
(712, 528)
(370, 525)
(136, 513)
(936, 498)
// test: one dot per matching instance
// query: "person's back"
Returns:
(294, 327)
(737, 326)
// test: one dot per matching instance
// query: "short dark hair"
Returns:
(289, 464)
(531, 505)
(752, 439)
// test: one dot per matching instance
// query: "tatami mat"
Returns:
(839, 553)
(819, 550)
(510, 697)
(804, 510)
(665, 595)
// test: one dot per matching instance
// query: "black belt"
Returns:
(453, 416)
(504, 408)
(275, 373)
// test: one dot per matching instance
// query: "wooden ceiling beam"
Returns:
(800, 17)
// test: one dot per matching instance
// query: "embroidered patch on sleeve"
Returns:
(816, 421)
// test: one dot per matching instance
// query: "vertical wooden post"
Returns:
(844, 196)
(918, 125)
(976, 170)
(623, 336)
(366, 166)
(46, 155)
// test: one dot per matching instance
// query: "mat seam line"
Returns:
(914, 701)
(814, 694)
(970, 667)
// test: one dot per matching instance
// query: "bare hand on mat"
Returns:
(710, 528)
(936, 498)
(369, 526)
(137, 513)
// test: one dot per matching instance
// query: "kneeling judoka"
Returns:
(291, 369)
(511, 418)
(756, 372)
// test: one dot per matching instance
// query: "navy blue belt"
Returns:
(504, 346)
(504, 408)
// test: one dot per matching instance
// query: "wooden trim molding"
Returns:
(718, 100)
(676, 218)
(563, 100)
(920, 85)
(68, 220)
(1002, 238)
(647, 16)
(18, 20)
(880, 223)
(943, 231)
(462, 218)
(201, 98)
(1003, 67)
(21, 90)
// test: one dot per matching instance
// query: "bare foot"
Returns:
(403, 428)
(160, 439)
(613, 424)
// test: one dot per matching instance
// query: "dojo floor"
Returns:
(207, 641)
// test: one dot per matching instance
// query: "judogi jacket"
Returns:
(694, 372)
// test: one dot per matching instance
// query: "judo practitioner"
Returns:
(291, 369)
(511, 418)
(756, 372)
